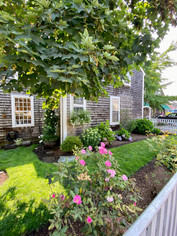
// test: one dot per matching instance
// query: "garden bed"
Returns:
(150, 179)
(53, 154)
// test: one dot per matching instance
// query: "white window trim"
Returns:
(111, 122)
(128, 83)
(72, 105)
(13, 96)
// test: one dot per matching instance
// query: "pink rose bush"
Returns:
(77, 199)
(108, 163)
(89, 220)
(82, 162)
(124, 177)
(93, 181)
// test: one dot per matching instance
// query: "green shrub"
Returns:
(102, 200)
(91, 137)
(131, 125)
(143, 126)
(123, 133)
(105, 131)
(70, 143)
(156, 131)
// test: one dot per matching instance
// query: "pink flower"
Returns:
(106, 179)
(110, 199)
(102, 144)
(89, 220)
(83, 151)
(77, 199)
(105, 151)
(101, 150)
(110, 188)
(124, 177)
(53, 195)
(112, 172)
(82, 162)
(110, 153)
(134, 203)
(90, 148)
(62, 197)
(76, 157)
(108, 163)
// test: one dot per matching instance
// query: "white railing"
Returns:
(160, 217)
(169, 125)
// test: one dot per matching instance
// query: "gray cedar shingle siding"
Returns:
(130, 104)
(6, 119)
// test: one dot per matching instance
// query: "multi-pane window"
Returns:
(22, 111)
(77, 104)
(114, 110)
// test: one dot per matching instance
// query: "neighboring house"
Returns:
(23, 114)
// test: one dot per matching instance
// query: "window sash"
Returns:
(114, 110)
(77, 104)
(22, 110)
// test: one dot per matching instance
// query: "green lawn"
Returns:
(21, 196)
(133, 156)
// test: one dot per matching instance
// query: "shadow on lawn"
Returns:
(24, 156)
(26, 217)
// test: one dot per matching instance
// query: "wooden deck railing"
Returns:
(169, 125)
(160, 217)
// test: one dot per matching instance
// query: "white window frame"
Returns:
(118, 99)
(128, 83)
(72, 105)
(13, 96)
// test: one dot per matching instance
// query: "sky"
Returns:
(171, 72)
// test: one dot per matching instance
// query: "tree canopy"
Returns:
(154, 82)
(78, 46)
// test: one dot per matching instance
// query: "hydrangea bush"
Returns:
(98, 195)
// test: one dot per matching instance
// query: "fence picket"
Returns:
(166, 125)
(159, 219)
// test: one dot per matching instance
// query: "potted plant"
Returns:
(49, 136)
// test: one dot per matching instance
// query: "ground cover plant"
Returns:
(21, 197)
(95, 195)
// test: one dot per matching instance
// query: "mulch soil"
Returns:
(150, 179)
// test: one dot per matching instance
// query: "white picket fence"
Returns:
(160, 217)
(169, 125)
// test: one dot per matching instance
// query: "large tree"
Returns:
(154, 82)
(78, 46)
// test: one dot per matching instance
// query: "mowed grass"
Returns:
(22, 208)
(133, 156)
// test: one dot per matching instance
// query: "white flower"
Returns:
(17, 45)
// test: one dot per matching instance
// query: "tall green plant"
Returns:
(50, 125)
